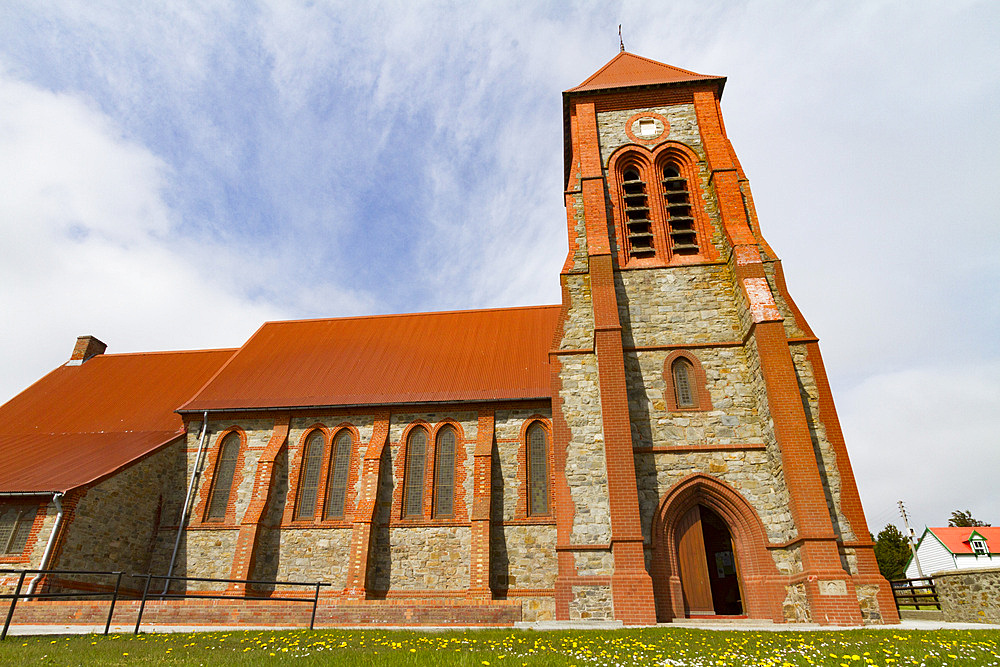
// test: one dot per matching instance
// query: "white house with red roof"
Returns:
(955, 548)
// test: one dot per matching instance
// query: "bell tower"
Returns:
(702, 468)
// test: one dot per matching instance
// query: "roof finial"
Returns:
(620, 40)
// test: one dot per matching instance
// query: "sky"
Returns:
(173, 174)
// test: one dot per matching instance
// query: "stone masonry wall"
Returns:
(677, 306)
(969, 596)
(116, 523)
(585, 471)
(430, 558)
(209, 554)
(578, 332)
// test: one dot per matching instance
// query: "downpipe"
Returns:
(187, 500)
(57, 500)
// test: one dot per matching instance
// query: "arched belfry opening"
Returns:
(710, 555)
(708, 568)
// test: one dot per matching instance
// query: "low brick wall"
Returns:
(276, 612)
(969, 596)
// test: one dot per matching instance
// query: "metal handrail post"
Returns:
(13, 601)
(142, 605)
(114, 599)
(312, 621)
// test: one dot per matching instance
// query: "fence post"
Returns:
(312, 621)
(114, 599)
(10, 612)
(142, 605)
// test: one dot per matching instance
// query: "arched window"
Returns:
(222, 480)
(15, 527)
(444, 472)
(312, 462)
(684, 392)
(538, 470)
(638, 226)
(413, 484)
(677, 205)
(336, 487)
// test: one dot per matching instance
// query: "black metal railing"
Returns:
(17, 595)
(312, 597)
(915, 593)
(208, 595)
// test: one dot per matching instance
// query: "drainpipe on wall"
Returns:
(57, 499)
(187, 500)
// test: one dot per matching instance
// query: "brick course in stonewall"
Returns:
(662, 444)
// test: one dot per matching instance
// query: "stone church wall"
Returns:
(421, 555)
(121, 522)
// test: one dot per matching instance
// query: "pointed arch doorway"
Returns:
(709, 574)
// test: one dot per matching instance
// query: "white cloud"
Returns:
(88, 243)
(929, 436)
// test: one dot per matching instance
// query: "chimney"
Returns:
(86, 347)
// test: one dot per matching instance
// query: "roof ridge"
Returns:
(158, 352)
(417, 314)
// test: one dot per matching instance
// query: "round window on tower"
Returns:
(647, 128)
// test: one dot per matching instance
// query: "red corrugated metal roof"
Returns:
(473, 355)
(628, 69)
(956, 539)
(80, 423)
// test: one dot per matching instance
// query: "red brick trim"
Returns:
(760, 579)
(295, 470)
(650, 165)
(652, 141)
(354, 464)
(199, 515)
(680, 449)
(357, 572)
(702, 398)
(245, 554)
(521, 510)
(399, 494)
(459, 509)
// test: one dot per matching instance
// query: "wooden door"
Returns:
(694, 564)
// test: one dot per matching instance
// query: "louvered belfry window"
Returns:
(638, 227)
(312, 462)
(336, 488)
(538, 470)
(15, 526)
(682, 384)
(677, 204)
(444, 472)
(222, 483)
(416, 453)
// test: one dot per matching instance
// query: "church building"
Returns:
(661, 445)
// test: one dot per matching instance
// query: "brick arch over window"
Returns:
(679, 234)
(434, 478)
(638, 237)
(762, 584)
(340, 474)
(308, 472)
(217, 504)
(415, 444)
(525, 477)
(701, 398)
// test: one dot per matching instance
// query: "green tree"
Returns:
(892, 551)
(964, 520)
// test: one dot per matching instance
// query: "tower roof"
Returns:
(627, 69)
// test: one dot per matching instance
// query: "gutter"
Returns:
(57, 499)
(187, 499)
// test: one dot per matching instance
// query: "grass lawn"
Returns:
(496, 648)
